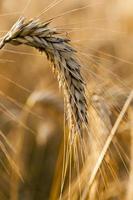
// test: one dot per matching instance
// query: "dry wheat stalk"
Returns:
(59, 51)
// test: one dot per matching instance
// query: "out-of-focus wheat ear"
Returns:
(130, 184)
(63, 56)
(48, 131)
(100, 125)
(106, 146)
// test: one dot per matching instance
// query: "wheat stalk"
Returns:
(59, 51)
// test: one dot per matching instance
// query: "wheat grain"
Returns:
(59, 51)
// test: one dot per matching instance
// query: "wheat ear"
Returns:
(59, 51)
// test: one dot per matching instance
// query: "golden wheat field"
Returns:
(66, 100)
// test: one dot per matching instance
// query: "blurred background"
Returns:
(32, 108)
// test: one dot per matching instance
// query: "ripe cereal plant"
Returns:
(59, 51)
(92, 59)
